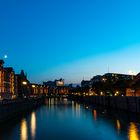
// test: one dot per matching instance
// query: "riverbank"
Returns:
(12, 108)
(131, 104)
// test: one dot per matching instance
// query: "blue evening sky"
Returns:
(71, 39)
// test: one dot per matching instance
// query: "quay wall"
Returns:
(131, 104)
(12, 108)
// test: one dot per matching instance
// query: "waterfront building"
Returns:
(110, 84)
(45, 89)
(41, 89)
(62, 90)
(22, 85)
(134, 87)
(38, 89)
(9, 81)
(51, 87)
(1, 77)
(34, 89)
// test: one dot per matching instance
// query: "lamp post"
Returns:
(24, 83)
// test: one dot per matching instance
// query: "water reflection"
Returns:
(73, 108)
(33, 125)
(23, 130)
(95, 115)
(118, 126)
(51, 103)
(71, 120)
(133, 133)
(77, 109)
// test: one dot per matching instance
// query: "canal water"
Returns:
(68, 120)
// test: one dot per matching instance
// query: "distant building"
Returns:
(59, 83)
(97, 78)
(111, 84)
(113, 77)
(56, 87)
(55, 83)
(85, 83)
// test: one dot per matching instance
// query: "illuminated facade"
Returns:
(41, 89)
(38, 89)
(34, 89)
(1, 77)
(45, 90)
(59, 83)
(17, 85)
(9, 79)
(134, 87)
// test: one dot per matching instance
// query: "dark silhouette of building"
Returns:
(22, 85)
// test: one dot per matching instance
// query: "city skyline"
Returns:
(70, 39)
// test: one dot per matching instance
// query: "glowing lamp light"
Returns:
(33, 86)
(24, 83)
(91, 94)
(104, 80)
(101, 93)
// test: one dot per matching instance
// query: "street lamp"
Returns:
(33, 86)
(24, 83)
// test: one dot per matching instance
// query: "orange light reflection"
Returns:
(133, 132)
